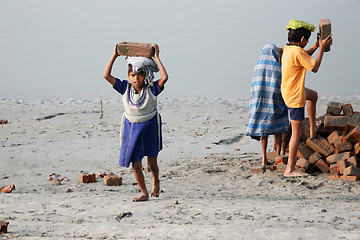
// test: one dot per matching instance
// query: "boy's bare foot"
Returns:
(141, 198)
(295, 173)
(156, 190)
(8, 188)
(315, 130)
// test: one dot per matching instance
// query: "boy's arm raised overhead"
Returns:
(107, 72)
(322, 45)
(163, 73)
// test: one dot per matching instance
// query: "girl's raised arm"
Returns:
(163, 73)
(107, 72)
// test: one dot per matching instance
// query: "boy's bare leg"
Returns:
(139, 176)
(296, 128)
(312, 98)
(264, 142)
(285, 141)
(278, 142)
(154, 168)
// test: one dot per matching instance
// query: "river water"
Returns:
(209, 48)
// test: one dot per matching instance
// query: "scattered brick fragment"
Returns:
(86, 178)
(112, 180)
(315, 157)
(3, 227)
(8, 188)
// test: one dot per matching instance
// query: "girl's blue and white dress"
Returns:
(268, 112)
(140, 131)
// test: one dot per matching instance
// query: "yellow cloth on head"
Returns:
(295, 24)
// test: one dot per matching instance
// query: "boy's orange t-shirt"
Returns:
(295, 62)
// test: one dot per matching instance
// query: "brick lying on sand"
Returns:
(112, 180)
(86, 178)
(135, 49)
(3, 227)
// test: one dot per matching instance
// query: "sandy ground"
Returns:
(208, 191)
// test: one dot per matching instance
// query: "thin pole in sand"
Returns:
(101, 106)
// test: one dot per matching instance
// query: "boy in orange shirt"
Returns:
(295, 62)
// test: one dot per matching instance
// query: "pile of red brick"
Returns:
(336, 147)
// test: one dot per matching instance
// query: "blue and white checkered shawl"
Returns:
(268, 112)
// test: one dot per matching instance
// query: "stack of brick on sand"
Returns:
(335, 149)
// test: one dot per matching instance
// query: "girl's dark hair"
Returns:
(296, 35)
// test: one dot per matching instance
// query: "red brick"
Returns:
(320, 164)
(350, 178)
(335, 137)
(334, 171)
(354, 120)
(135, 49)
(357, 148)
(112, 180)
(281, 159)
(304, 151)
(334, 108)
(342, 164)
(347, 109)
(315, 157)
(3, 227)
(343, 147)
(271, 155)
(321, 145)
(281, 167)
(335, 123)
(354, 135)
(337, 157)
(352, 171)
(353, 161)
(86, 178)
(302, 163)
(325, 30)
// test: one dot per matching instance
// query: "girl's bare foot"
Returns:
(156, 190)
(295, 173)
(314, 131)
(141, 198)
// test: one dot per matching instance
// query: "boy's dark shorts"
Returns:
(297, 114)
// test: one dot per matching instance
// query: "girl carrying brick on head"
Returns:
(140, 133)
